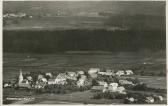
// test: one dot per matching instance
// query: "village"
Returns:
(108, 84)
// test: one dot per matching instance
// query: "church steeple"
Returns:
(20, 76)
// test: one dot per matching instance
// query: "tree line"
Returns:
(54, 41)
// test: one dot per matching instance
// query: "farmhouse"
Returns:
(97, 88)
(102, 83)
(120, 72)
(29, 78)
(129, 72)
(49, 74)
(83, 77)
(149, 99)
(6, 85)
(113, 87)
(121, 90)
(93, 70)
(80, 72)
(81, 82)
(43, 80)
(71, 75)
(124, 82)
(40, 76)
(61, 79)
(51, 81)
(106, 73)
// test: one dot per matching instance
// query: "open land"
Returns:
(75, 62)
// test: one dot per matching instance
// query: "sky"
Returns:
(117, 7)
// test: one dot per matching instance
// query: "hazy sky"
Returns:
(121, 7)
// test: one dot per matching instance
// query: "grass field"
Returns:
(75, 62)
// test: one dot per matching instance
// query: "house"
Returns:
(93, 71)
(40, 85)
(48, 74)
(121, 90)
(83, 77)
(124, 82)
(6, 85)
(97, 88)
(111, 72)
(131, 99)
(129, 72)
(51, 81)
(29, 78)
(80, 82)
(61, 79)
(160, 98)
(93, 76)
(102, 83)
(40, 76)
(113, 87)
(80, 72)
(120, 72)
(71, 75)
(43, 80)
(149, 99)
(24, 84)
(83, 81)
(106, 73)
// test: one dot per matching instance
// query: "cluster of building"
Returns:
(113, 86)
(60, 79)
(147, 99)
(79, 77)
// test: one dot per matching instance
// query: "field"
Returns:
(74, 62)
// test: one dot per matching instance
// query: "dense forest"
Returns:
(54, 41)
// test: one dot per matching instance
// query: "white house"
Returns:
(48, 74)
(149, 99)
(113, 87)
(7, 85)
(124, 82)
(29, 78)
(131, 99)
(71, 75)
(121, 90)
(51, 81)
(80, 72)
(120, 72)
(102, 83)
(61, 79)
(83, 77)
(80, 82)
(93, 70)
(44, 80)
(106, 73)
(97, 88)
(40, 76)
(129, 72)
(160, 98)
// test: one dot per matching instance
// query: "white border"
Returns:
(1, 49)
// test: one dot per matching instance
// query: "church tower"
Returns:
(20, 76)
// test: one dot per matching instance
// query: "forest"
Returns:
(56, 41)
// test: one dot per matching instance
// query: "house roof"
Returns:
(97, 87)
(51, 80)
(61, 76)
